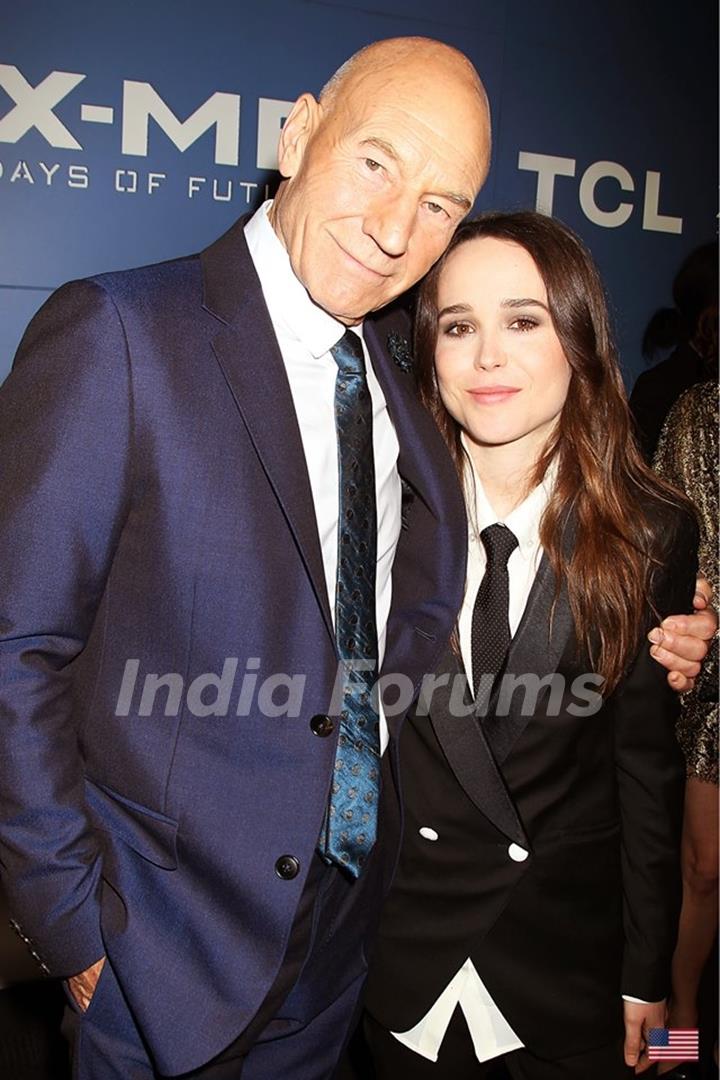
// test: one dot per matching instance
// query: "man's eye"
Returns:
(373, 166)
(435, 208)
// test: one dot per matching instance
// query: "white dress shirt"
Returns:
(305, 334)
(490, 1032)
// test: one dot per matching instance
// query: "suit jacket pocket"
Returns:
(148, 832)
(600, 830)
(577, 834)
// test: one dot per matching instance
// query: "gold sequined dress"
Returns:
(687, 456)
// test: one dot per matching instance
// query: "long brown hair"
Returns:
(603, 485)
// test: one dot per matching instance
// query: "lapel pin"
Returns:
(399, 349)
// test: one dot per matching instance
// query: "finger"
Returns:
(704, 588)
(673, 662)
(701, 625)
(81, 992)
(679, 683)
(643, 1064)
(688, 646)
(632, 1043)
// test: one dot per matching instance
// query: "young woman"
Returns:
(534, 910)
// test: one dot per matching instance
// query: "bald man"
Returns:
(204, 569)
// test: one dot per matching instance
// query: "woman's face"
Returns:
(501, 370)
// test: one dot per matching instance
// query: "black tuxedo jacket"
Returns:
(557, 860)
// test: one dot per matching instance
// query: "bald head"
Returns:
(406, 57)
(380, 170)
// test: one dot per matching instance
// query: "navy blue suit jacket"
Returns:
(155, 506)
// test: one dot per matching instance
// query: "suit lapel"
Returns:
(429, 569)
(469, 755)
(420, 440)
(476, 748)
(247, 351)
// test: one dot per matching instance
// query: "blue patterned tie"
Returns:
(351, 821)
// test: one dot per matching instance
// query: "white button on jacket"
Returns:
(427, 833)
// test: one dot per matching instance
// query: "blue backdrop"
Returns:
(138, 131)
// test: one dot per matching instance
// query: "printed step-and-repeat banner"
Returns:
(135, 132)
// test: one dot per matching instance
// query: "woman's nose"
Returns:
(489, 354)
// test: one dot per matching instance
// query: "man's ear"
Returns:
(296, 133)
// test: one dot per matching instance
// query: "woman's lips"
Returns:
(493, 395)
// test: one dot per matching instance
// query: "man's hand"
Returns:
(639, 1018)
(681, 642)
(82, 986)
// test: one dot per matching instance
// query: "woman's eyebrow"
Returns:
(454, 309)
(525, 301)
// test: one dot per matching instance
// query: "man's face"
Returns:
(376, 193)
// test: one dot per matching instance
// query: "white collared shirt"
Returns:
(305, 334)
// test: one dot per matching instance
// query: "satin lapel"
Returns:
(532, 652)
(247, 351)
(470, 757)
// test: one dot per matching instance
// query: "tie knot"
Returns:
(348, 354)
(499, 543)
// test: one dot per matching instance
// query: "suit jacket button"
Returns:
(427, 833)
(322, 725)
(287, 867)
(517, 853)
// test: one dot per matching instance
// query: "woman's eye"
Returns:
(373, 166)
(523, 324)
(459, 329)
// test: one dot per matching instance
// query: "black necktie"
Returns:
(490, 626)
(351, 822)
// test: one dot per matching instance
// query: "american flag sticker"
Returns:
(676, 1044)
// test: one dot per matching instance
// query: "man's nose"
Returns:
(390, 222)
